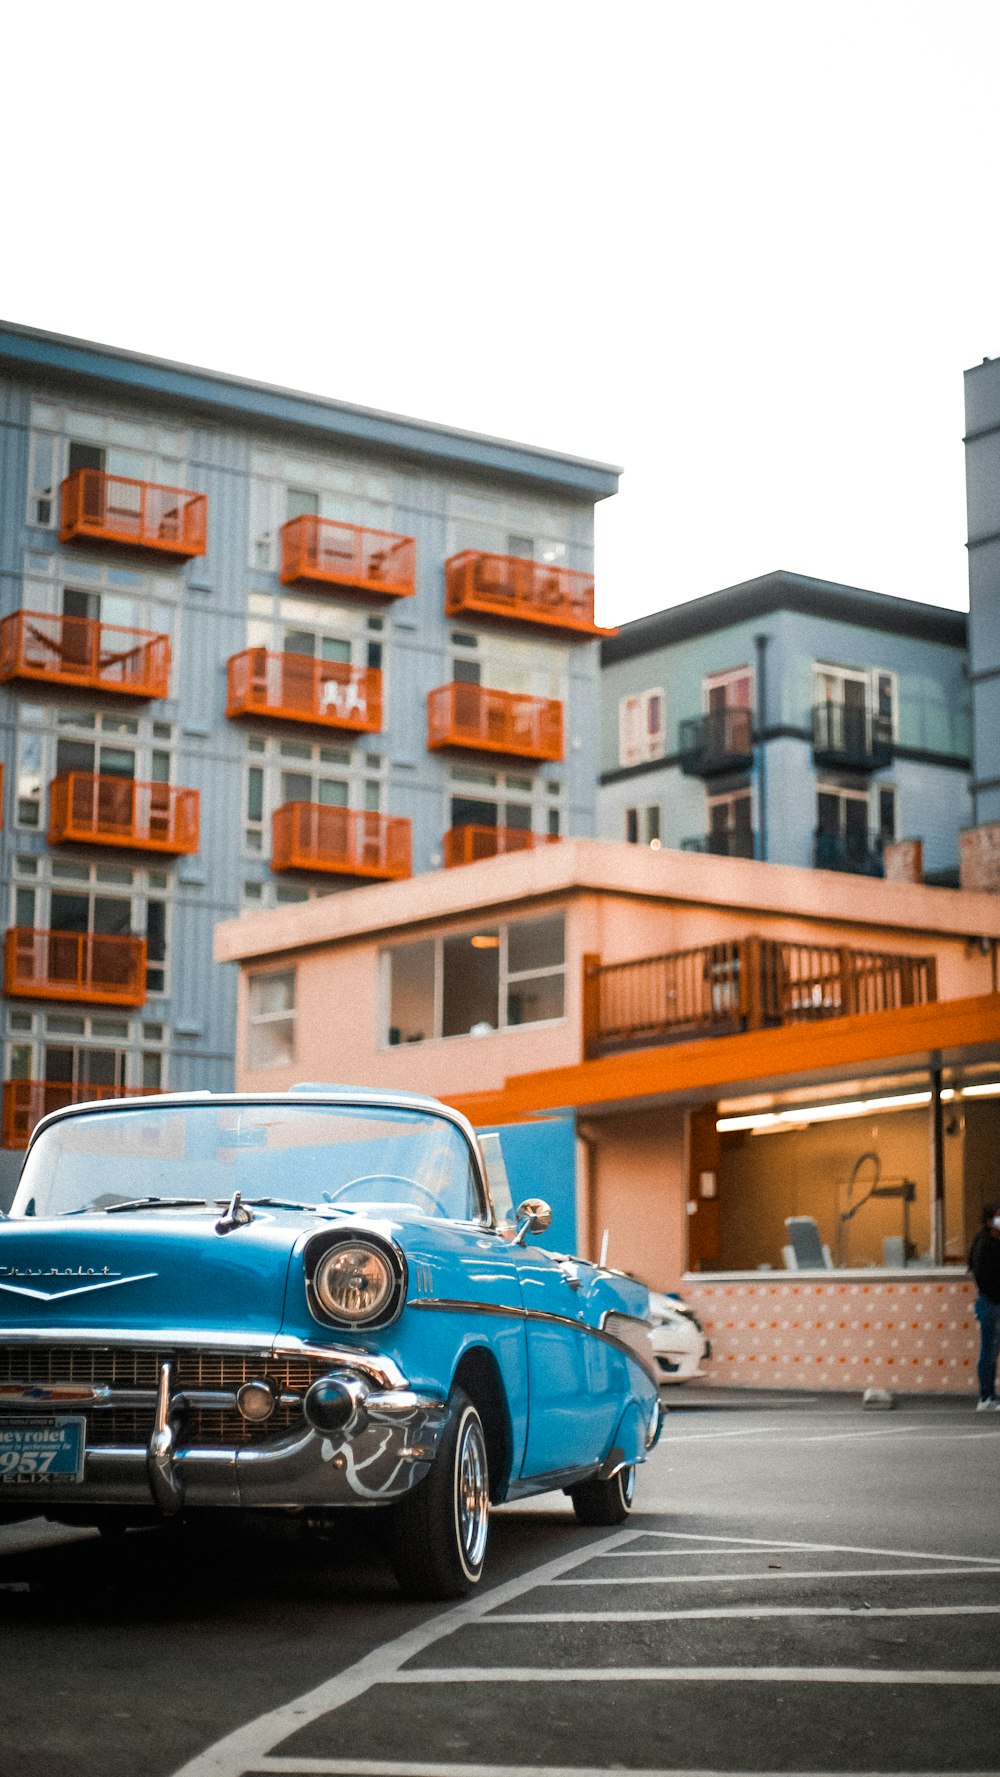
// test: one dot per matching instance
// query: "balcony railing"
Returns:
(736, 842)
(93, 810)
(846, 738)
(469, 844)
(721, 741)
(26, 1102)
(297, 688)
(113, 509)
(332, 554)
(82, 653)
(857, 854)
(342, 841)
(742, 985)
(76, 966)
(527, 591)
(460, 715)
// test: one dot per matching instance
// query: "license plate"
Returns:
(41, 1449)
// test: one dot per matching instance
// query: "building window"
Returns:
(853, 826)
(280, 771)
(271, 1019)
(872, 694)
(505, 800)
(287, 486)
(490, 977)
(65, 439)
(642, 825)
(641, 727)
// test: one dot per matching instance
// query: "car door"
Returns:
(565, 1417)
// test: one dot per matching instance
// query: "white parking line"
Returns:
(520, 1675)
(777, 1574)
(746, 1612)
(248, 1748)
(339, 1767)
(738, 1543)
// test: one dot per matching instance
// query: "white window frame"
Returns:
(505, 979)
(638, 742)
(366, 774)
(261, 1021)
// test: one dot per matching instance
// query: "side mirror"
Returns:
(533, 1216)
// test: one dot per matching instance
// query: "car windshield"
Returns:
(351, 1157)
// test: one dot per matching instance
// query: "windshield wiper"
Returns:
(112, 1209)
(275, 1203)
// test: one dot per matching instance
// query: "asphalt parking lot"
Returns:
(804, 1587)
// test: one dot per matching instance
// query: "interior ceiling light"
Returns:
(760, 1122)
(485, 941)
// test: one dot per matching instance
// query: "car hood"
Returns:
(157, 1270)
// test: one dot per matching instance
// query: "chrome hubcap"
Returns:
(472, 1495)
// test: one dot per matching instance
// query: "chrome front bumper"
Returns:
(382, 1450)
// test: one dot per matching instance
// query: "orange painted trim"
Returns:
(727, 1064)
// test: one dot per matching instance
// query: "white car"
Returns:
(678, 1338)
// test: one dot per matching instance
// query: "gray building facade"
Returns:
(793, 720)
(255, 646)
(982, 472)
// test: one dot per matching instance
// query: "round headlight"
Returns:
(355, 1282)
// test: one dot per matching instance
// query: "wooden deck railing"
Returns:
(742, 984)
(84, 653)
(116, 509)
(26, 1102)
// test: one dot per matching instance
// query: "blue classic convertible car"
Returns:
(304, 1302)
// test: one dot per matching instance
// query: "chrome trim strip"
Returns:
(448, 1306)
(383, 1370)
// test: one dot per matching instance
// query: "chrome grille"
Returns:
(121, 1366)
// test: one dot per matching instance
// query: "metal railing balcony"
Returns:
(89, 809)
(846, 738)
(721, 741)
(736, 842)
(114, 509)
(469, 844)
(462, 715)
(856, 854)
(527, 591)
(84, 654)
(26, 1102)
(328, 553)
(89, 967)
(341, 841)
(297, 688)
(739, 985)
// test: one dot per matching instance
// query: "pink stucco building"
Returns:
(739, 1044)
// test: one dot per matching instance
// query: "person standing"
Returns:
(984, 1263)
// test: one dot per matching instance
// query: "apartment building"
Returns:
(791, 720)
(256, 647)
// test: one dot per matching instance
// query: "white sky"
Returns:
(744, 249)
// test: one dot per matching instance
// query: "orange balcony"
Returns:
(100, 508)
(26, 1102)
(467, 845)
(92, 810)
(78, 966)
(332, 554)
(296, 688)
(311, 836)
(527, 591)
(460, 715)
(83, 653)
